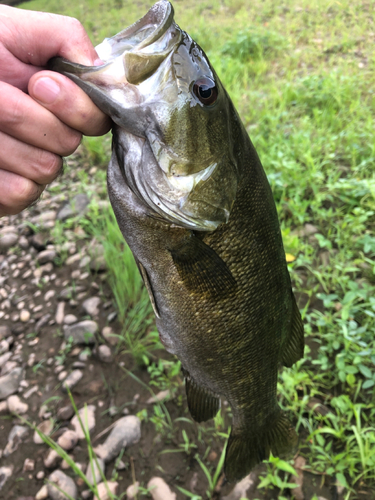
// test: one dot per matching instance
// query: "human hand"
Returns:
(38, 128)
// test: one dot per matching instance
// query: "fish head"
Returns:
(175, 125)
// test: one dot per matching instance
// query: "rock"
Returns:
(23, 243)
(45, 256)
(40, 475)
(126, 432)
(109, 336)
(64, 483)
(42, 322)
(160, 396)
(3, 407)
(68, 440)
(46, 428)
(4, 358)
(15, 437)
(112, 316)
(85, 261)
(45, 216)
(24, 315)
(76, 206)
(65, 413)
(38, 241)
(51, 459)
(242, 488)
(132, 491)
(59, 316)
(5, 473)
(87, 415)
(42, 493)
(99, 468)
(103, 490)
(82, 332)
(5, 332)
(90, 306)
(31, 391)
(159, 490)
(72, 380)
(297, 492)
(104, 353)
(15, 405)
(4, 346)
(69, 319)
(7, 241)
(28, 465)
(8, 367)
(84, 355)
(9, 383)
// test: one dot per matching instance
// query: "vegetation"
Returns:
(301, 75)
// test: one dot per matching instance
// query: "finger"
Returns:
(16, 192)
(28, 121)
(68, 102)
(28, 161)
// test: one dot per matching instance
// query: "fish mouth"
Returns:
(130, 57)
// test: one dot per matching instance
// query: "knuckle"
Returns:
(13, 111)
(26, 192)
(48, 166)
(71, 142)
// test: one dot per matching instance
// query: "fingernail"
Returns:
(46, 90)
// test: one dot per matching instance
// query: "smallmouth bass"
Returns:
(195, 207)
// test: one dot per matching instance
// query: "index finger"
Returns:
(34, 37)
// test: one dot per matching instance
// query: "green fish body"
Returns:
(195, 207)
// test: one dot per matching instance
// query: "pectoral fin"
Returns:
(147, 283)
(201, 269)
(203, 404)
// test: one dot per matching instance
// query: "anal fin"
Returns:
(294, 344)
(203, 404)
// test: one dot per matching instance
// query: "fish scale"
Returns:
(194, 205)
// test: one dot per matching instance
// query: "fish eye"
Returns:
(205, 90)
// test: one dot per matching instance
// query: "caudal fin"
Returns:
(248, 447)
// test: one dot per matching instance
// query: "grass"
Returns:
(302, 77)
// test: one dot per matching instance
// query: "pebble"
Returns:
(28, 465)
(112, 316)
(103, 490)
(15, 405)
(90, 306)
(65, 413)
(23, 243)
(4, 358)
(68, 440)
(126, 432)
(3, 407)
(160, 396)
(77, 205)
(84, 355)
(42, 493)
(45, 256)
(109, 336)
(72, 380)
(9, 367)
(242, 488)
(46, 428)
(5, 331)
(42, 322)
(104, 353)
(7, 241)
(4, 346)
(31, 391)
(5, 473)
(62, 373)
(159, 490)
(87, 416)
(38, 241)
(82, 332)
(9, 383)
(49, 295)
(69, 319)
(24, 315)
(59, 316)
(64, 483)
(98, 467)
(40, 475)
(15, 437)
(85, 261)
(132, 491)
(52, 459)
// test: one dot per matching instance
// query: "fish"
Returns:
(194, 204)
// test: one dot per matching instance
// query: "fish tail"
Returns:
(248, 446)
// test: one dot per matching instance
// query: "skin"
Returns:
(43, 114)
